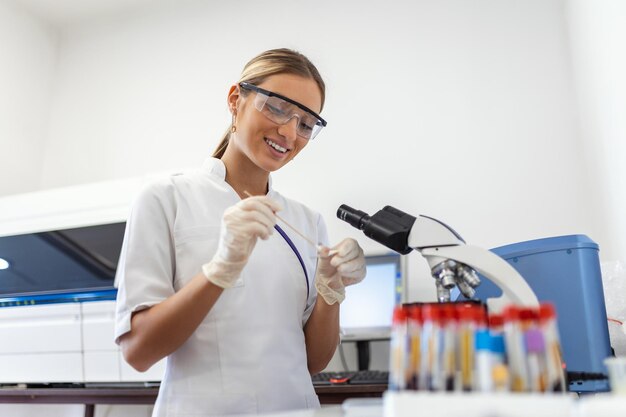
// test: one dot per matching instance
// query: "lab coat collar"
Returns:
(216, 168)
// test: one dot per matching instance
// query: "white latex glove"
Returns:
(338, 267)
(242, 225)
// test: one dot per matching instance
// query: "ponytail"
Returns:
(221, 148)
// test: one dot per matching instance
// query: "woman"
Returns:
(211, 280)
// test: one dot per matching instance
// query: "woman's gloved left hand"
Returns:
(338, 267)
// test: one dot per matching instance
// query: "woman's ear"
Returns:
(233, 98)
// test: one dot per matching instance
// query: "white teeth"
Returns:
(276, 146)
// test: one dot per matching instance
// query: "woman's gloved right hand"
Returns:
(242, 225)
(337, 268)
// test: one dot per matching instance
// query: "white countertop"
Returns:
(361, 407)
(471, 405)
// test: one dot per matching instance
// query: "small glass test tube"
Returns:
(398, 347)
(500, 372)
(484, 361)
(467, 326)
(536, 360)
(514, 342)
(430, 373)
(415, 349)
(448, 324)
(554, 354)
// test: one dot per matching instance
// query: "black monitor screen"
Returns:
(68, 260)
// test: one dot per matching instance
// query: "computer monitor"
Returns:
(367, 311)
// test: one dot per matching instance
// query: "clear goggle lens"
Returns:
(280, 111)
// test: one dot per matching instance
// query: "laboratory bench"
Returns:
(90, 397)
(363, 401)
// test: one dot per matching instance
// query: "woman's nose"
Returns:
(290, 128)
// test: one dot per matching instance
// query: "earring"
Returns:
(233, 128)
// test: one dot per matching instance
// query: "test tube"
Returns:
(466, 314)
(448, 323)
(536, 360)
(496, 323)
(513, 338)
(414, 334)
(528, 321)
(398, 347)
(554, 355)
(484, 361)
(429, 375)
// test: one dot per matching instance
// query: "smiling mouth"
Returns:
(276, 146)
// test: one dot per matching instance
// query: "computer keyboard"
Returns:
(351, 377)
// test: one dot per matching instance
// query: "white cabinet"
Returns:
(41, 344)
(70, 342)
(99, 349)
(102, 366)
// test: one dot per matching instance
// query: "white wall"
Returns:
(461, 110)
(598, 31)
(27, 58)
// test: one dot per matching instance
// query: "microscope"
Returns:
(452, 262)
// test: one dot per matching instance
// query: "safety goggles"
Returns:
(281, 110)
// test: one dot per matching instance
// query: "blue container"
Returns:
(565, 270)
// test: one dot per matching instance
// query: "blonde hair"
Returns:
(273, 62)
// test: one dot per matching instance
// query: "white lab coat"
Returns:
(248, 355)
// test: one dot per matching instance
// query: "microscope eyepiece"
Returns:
(389, 226)
(356, 218)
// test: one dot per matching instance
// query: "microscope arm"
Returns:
(428, 232)
(515, 290)
(438, 242)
